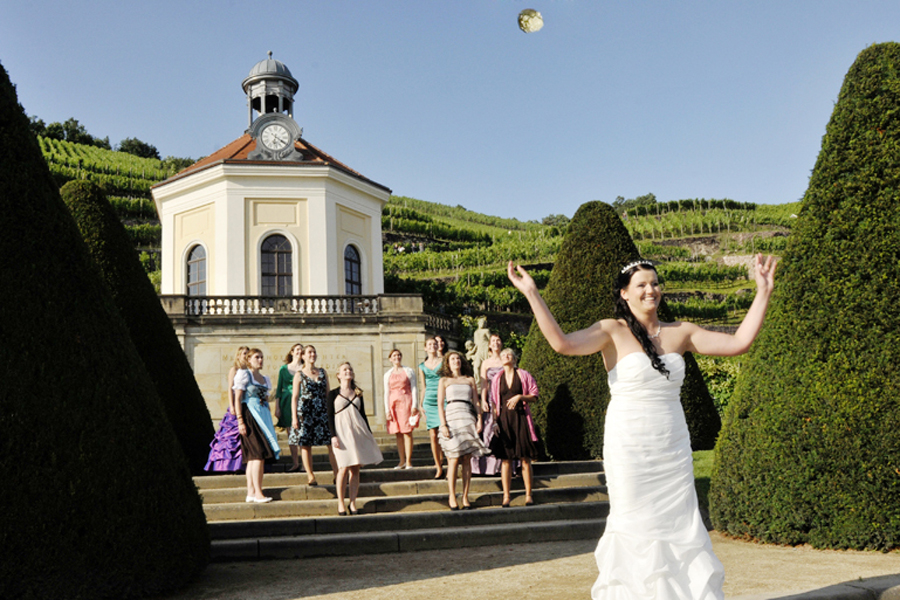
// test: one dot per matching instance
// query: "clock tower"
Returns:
(270, 239)
(270, 90)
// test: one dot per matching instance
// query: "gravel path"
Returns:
(530, 571)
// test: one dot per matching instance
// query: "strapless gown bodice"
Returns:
(635, 377)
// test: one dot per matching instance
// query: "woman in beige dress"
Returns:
(351, 437)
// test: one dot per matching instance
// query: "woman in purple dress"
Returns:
(225, 449)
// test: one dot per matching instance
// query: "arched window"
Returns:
(352, 272)
(276, 266)
(196, 271)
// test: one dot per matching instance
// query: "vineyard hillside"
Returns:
(456, 257)
(126, 178)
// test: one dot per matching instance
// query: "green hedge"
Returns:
(809, 452)
(98, 501)
(573, 389)
(151, 331)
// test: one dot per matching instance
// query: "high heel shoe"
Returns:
(505, 503)
(440, 474)
(529, 501)
(353, 511)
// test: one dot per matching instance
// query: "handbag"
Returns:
(414, 420)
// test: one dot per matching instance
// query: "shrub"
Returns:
(99, 502)
(573, 389)
(809, 449)
(151, 331)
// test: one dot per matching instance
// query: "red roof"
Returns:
(236, 153)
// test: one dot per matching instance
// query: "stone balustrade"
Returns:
(213, 308)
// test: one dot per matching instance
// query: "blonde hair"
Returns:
(239, 361)
(511, 352)
(356, 389)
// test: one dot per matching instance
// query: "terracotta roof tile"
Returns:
(237, 151)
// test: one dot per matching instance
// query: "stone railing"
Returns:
(440, 323)
(197, 306)
(391, 306)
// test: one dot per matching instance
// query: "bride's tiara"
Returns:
(635, 264)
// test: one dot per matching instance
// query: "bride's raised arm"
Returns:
(715, 343)
(578, 343)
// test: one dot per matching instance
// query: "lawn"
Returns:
(703, 464)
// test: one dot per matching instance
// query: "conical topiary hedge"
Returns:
(809, 451)
(150, 328)
(97, 499)
(574, 392)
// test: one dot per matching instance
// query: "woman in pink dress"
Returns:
(401, 406)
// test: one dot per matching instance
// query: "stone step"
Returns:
(326, 505)
(378, 534)
(400, 510)
(382, 437)
(385, 474)
(294, 490)
(333, 524)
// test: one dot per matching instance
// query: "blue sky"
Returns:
(450, 102)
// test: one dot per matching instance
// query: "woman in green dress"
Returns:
(428, 383)
(283, 394)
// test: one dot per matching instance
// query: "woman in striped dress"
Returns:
(458, 409)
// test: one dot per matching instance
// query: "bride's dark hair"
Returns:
(624, 312)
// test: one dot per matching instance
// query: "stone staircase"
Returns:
(400, 510)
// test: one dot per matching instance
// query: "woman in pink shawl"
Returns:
(514, 438)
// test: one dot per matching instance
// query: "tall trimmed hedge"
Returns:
(97, 498)
(574, 391)
(810, 450)
(151, 331)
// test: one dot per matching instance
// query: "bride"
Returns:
(654, 544)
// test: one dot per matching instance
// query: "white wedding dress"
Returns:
(655, 545)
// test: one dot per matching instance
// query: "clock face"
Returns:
(275, 136)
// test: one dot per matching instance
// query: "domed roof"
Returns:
(269, 69)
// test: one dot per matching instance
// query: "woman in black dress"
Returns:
(514, 437)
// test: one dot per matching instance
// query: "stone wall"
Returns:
(365, 340)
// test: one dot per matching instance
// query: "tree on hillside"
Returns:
(555, 220)
(621, 204)
(809, 448)
(138, 148)
(574, 391)
(151, 331)
(99, 500)
(174, 164)
(70, 131)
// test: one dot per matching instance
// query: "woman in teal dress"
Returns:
(428, 383)
(284, 394)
